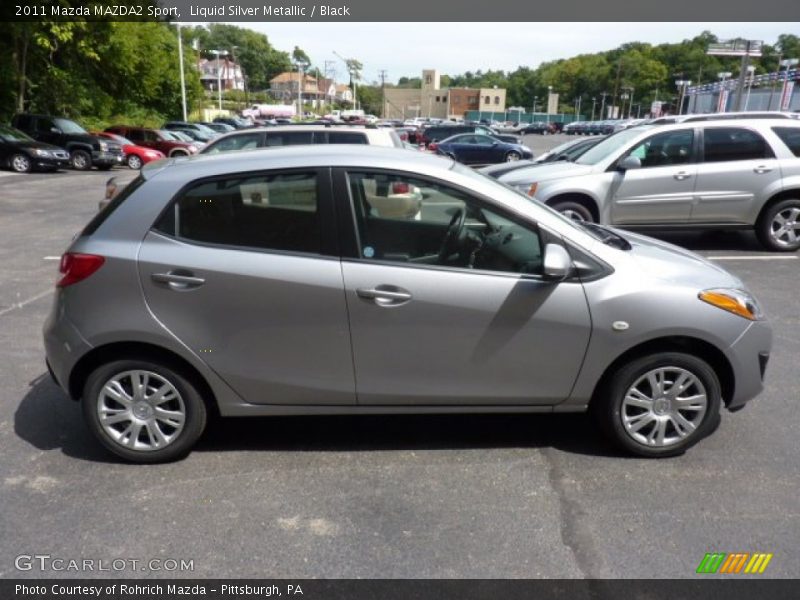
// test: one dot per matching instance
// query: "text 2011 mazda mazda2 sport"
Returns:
(331, 280)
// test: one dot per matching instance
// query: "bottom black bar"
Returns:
(401, 589)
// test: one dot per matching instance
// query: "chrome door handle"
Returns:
(384, 296)
(681, 175)
(762, 169)
(178, 281)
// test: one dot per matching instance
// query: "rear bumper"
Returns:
(63, 344)
(749, 356)
(106, 158)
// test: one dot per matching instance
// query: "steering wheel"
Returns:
(454, 229)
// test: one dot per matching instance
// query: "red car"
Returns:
(155, 139)
(134, 156)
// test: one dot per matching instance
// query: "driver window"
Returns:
(665, 149)
(408, 220)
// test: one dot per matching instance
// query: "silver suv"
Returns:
(714, 174)
(292, 135)
(355, 280)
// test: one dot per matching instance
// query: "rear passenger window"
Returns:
(723, 144)
(245, 141)
(343, 137)
(270, 212)
(789, 136)
(290, 138)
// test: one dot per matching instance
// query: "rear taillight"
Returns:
(77, 267)
(400, 188)
(433, 146)
(404, 136)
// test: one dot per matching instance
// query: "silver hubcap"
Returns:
(512, 157)
(785, 227)
(140, 410)
(664, 407)
(79, 161)
(134, 162)
(573, 214)
(20, 163)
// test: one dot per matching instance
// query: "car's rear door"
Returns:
(243, 269)
(738, 172)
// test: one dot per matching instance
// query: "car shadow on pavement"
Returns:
(47, 419)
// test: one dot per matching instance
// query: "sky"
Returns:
(404, 49)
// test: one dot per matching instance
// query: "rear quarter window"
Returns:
(789, 136)
(115, 203)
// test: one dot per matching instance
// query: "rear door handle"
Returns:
(384, 295)
(762, 169)
(681, 175)
(178, 280)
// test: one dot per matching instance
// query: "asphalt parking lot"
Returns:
(383, 497)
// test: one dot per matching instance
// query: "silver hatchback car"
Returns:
(715, 174)
(349, 280)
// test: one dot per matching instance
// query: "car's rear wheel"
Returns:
(660, 405)
(21, 163)
(80, 160)
(179, 153)
(134, 162)
(574, 210)
(778, 228)
(143, 412)
(512, 156)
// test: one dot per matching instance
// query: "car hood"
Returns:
(541, 172)
(668, 262)
(33, 144)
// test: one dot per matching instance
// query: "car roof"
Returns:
(289, 157)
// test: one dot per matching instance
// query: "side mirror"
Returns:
(629, 162)
(55, 130)
(494, 144)
(557, 263)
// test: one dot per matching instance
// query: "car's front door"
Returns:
(662, 190)
(243, 270)
(439, 317)
(738, 173)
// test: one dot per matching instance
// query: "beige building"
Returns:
(431, 100)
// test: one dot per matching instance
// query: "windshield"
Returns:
(67, 126)
(609, 145)
(9, 134)
(168, 135)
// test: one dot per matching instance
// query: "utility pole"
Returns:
(330, 74)
(183, 78)
(603, 105)
(382, 74)
(616, 84)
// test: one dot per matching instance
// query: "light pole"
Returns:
(549, 96)
(352, 76)
(630, 103)
(533, 110)
(751, 70)
(183, 77)
(217, 54)
(682, 84)
(788, 63)
(722, 89)
(594, 103)
(603, 104)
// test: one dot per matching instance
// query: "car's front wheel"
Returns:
(81, 160)
(134, 162)
(574, 210)
(778, 228)
(21, 163)
(512, 156)
(660, 405)
(142, 411)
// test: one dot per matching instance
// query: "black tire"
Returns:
(104, 167)
(608, 405)
(134, 162)
(194, 408)
(573, 210)
(513, 156)
(178, 153)
(21, 163)
(80, 160)
(765, 227)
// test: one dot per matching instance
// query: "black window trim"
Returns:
(326, 213)
(348, 225)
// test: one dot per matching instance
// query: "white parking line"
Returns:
(25, 302)
(51, 258)
(752, 257)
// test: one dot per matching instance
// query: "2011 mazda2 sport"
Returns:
(346, 280)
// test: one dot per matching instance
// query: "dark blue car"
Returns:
(480, 149)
